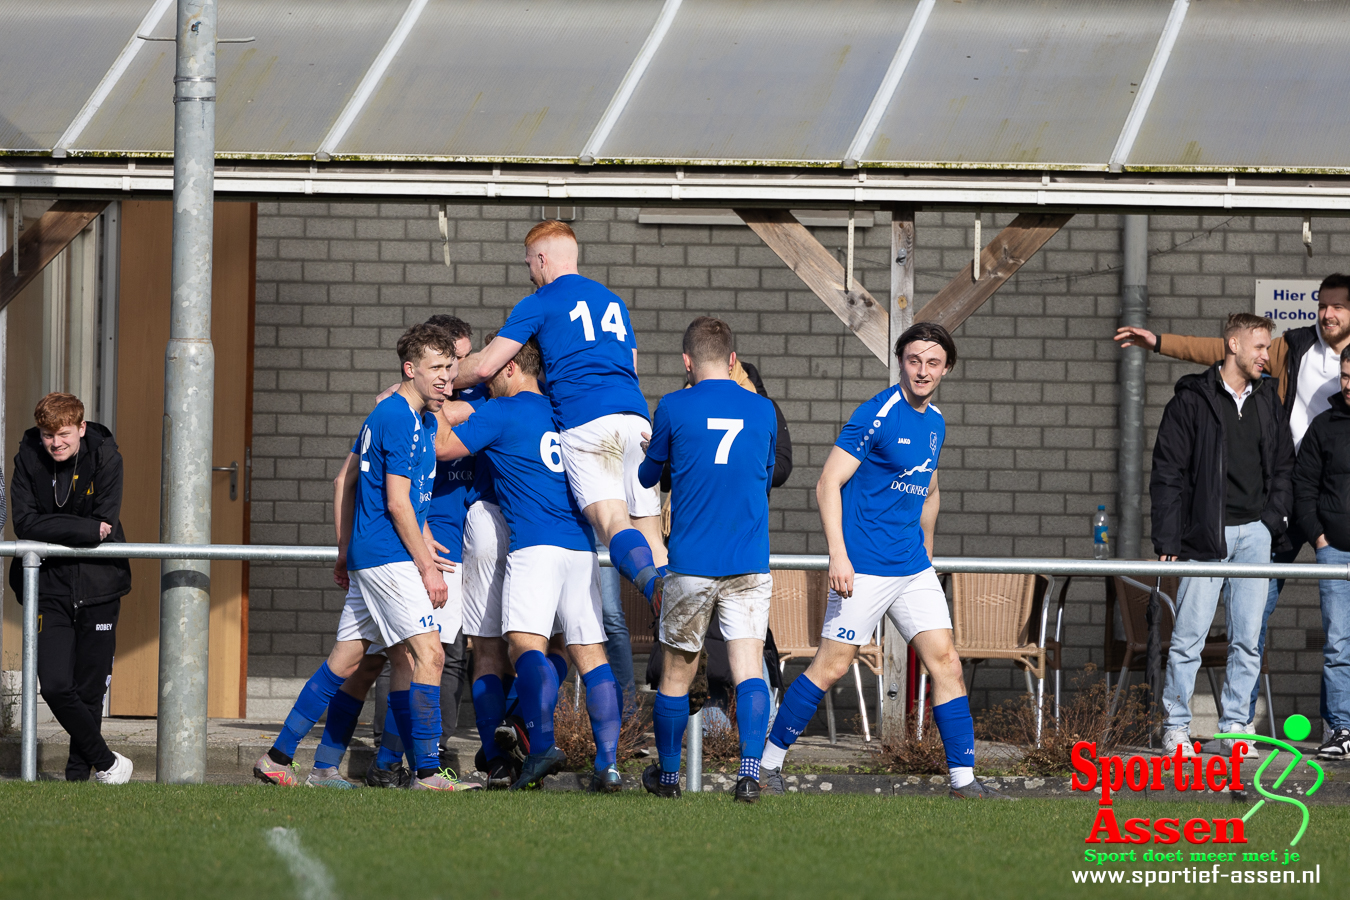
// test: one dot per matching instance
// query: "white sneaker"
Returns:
(1226, 744)
(1177, 737)
(118, 773)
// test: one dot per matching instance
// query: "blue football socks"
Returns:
(559, 665)
(537, 687)
(424, 702)
(799, 705)
(670, 717)
(752, 720)
(632, 556)
(402, 713)
(489, 709)
(343, 710)
(957, 728)
(391, 744)
(309, 707)
(602, 702)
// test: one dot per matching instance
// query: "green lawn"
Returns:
(146, 840)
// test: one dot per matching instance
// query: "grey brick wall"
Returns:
(1030, 406)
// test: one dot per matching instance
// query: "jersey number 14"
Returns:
(611, 321)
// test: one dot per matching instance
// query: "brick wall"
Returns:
(1030, 406)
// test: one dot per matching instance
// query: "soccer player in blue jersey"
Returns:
(391, 558)
(551, 570)
(719, 440)
(878, 499)
(590, 354)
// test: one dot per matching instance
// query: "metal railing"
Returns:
(31, 553)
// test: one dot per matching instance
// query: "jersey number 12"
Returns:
(732, 427)
(611, 321)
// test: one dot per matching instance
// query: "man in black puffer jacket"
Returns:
(67, 489)
(1221, 490)
(1322, 510)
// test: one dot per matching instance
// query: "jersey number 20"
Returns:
(611, 321)
(732, 427)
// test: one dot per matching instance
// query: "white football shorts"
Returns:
(601, 459)
(689, 601)
(355, 623)
(486, 542)
(448, 619)
(397, 601)
(915, 603)
(547, 584)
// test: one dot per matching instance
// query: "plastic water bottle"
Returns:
(1101, 535)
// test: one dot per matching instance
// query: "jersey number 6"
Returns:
(732, 427)
(550, 451)
(611, 321)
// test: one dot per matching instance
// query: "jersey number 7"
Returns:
(732, 427)
(611, 321)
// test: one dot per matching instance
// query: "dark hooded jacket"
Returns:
(1322, 477)
(95, 496)
(1188, 487)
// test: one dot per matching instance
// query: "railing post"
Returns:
(28, 746)
(693, 779)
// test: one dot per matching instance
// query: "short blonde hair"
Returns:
(550, 228)
(1245, 322)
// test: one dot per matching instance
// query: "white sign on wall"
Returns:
(1287, 302)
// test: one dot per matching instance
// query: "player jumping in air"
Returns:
(590, 354)
(391, 558)
(551, 571)
(878, 498)
(719, 440)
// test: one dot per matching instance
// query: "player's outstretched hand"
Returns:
(1130, 336)
(340, 576)
(841, 576)
(436, 588)
(445, 565)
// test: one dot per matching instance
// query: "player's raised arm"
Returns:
(450, 447)
(397, 492)
(480, 366)
(839, 468)
(344, 506)
(928, 516)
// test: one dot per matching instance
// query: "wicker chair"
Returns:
(992, 618)
(797, 616)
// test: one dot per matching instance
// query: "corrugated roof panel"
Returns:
(502, 78)
(53, 58)
(1253, 85)
(1020, 82)
(279, 94)
(759, 80)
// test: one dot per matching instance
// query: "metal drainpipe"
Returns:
(28, 724)
(1130, 461)
(189, 387)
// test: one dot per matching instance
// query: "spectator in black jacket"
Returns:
(1322, 512)
(67, 489)
(1221, 491)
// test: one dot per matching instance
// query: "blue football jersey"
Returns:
(520, 440)
(719, 439)
(449, 503)
(897, 448)
(587, 342)
(394, 440)
(481, 489)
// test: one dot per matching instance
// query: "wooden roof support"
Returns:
(999, 261)
(823, 274)
(39, 244)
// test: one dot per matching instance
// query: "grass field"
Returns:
(146, 840)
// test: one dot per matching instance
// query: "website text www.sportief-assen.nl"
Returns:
(1214, 874)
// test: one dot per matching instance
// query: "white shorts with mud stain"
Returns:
(689, 601)
(601, 459)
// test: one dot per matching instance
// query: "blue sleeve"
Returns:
(854, 439)
(658, 448)
(773, 450)
(524, 322)
(394, 444)
(481, 428)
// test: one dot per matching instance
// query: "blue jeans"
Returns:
(1336, 653)
(1272, 598)
(618, 646)
(1197, 599)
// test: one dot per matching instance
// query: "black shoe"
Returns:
(607, 782)
(539, 766)
(500, 775)
(747, 790)
(397, 777)
(773, 782)
(512, 738)
(977, 791)
(651, 780)
(1337, 746)
(480, 763)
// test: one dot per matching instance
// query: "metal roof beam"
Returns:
(889, 84)
(110, 78)
(370, 80)
(630, 82)
(1161, 53)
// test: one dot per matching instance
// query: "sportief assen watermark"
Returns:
(1166, 864)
